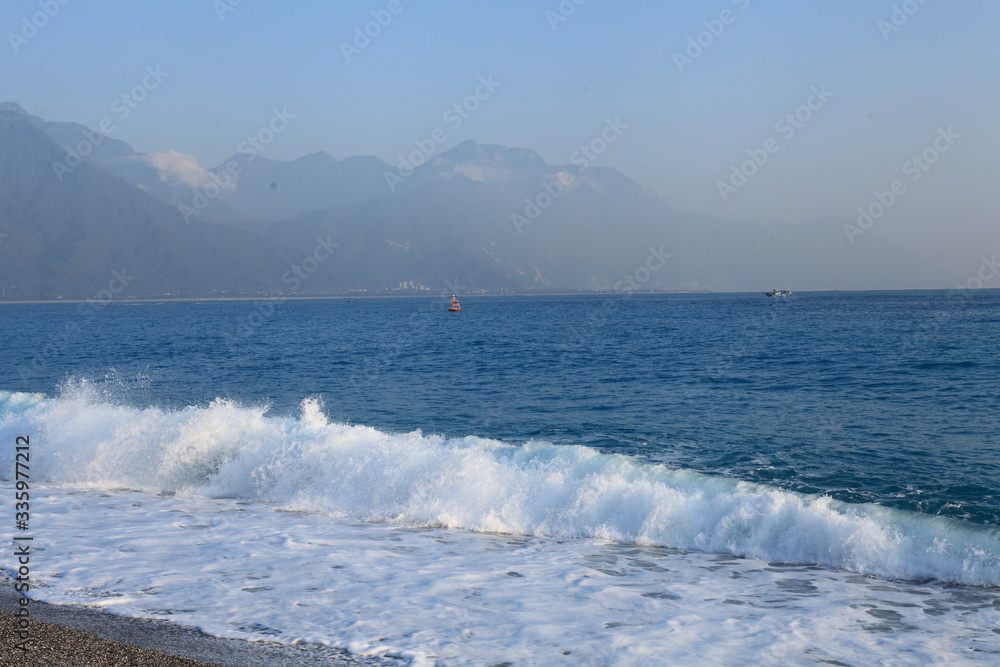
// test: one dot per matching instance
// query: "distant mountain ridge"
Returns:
(92, 233)
(70, 135)
(488, 216)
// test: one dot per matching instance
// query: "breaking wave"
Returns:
(85, 438)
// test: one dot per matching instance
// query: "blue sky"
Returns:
(892, 91)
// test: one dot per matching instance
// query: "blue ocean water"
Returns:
(884, 397)
(853, 432)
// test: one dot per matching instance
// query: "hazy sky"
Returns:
(702, 87)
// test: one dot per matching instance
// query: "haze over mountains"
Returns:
(79, 208)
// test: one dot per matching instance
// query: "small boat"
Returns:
(455, 306)
(779, 292)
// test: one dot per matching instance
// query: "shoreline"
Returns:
(81, 635)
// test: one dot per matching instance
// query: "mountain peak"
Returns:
(72, 230)
(318, 158)
(493, 155)
(72, 135)
(15, 107)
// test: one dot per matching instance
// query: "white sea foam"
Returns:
(441, 596)
(83, 439)
(242, 565)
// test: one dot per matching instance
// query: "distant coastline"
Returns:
(443, 295)
(349, 297)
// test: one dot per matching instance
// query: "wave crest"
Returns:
(308, 463)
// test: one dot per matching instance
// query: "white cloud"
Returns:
(180, 168)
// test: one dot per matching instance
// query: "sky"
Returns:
(739, 109)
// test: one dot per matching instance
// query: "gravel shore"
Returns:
(67, 635)
(53, 644)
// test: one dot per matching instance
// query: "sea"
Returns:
(619, 479)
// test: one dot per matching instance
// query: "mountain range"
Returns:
(78, 207)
